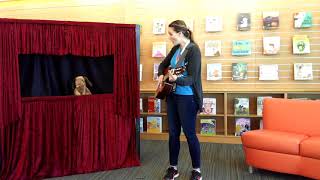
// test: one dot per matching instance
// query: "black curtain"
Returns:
(51, 75)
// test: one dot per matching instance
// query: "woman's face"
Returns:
(174, 37)
(80, 81)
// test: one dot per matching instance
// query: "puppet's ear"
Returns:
(87, 81)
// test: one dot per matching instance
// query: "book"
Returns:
(241, 47)
(141, 105)
(214, 71)
(140, 72)
(270, 20)
(242, 125)
(154, 124)
(159, 26)
(208, 127)
(239, 71)
(141, 125)
(261, 124)
(243, 21)
(260, 104)
(209, 106)
(212, 48)
(241, 106)
(303, 71)
(302, 19)
(268, 72)
(213, 23)
(154, 104)
(300, 44)
(159, 49)
(271, 45)
(155, 71)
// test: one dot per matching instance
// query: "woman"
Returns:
(81, 86)
(184, 103)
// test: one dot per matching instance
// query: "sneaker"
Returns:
(171, 174)
(195, 175)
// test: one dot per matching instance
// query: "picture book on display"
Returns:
(141, 125)
(159, 26)
(300, 44)
(239, 71)
(242, 125)
(241, 48)
(154, 124)
(159, 49)
(303, 71)
(241, 106)
(260, 104)
(155, 71)
(214, 71)
(208, 127)
(213, 23)
(270, 20)
(302, 19)
(268, 72)
(154, 104)
(212, 48)
(209, 106)
(271, 45)
(243, 22)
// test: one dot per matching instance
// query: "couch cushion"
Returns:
(310, 147)
(274, 141)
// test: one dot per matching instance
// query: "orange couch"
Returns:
(290, 139)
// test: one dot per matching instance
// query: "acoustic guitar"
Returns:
(166, 87)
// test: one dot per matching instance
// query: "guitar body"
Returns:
(166, 87)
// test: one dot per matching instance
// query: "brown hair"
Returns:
(180, 26)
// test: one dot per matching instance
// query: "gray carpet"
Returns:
(219, 161)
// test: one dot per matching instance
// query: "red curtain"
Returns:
(56, 136)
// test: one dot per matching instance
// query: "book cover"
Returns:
(241, 106)
(271, 45)
(208, 127)
(157, 105)
(155, 71)
(260, 104)
(154, 124)
(242, 125)
(241, 47)
(159, 26)
(213, 23)
(151, 104)
(209, 106)
(214, 71)
(302, 19)
(212, 48)
(140, 72)
(268, 72)
(243, 21)
(303, 71)
(270, 20)
(159, 49)
(239, 71)
(301, 44)
(141, 125)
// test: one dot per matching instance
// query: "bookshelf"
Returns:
(225, 117)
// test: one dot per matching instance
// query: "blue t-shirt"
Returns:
(181, 90)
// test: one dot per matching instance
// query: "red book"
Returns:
(151, 100)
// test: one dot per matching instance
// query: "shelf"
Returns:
(153, 114)
(250, 115)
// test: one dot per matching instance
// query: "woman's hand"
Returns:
(172, 77)
(160, 79)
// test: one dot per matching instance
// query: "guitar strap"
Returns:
(183, 56)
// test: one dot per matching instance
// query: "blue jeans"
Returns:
(182, 111)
